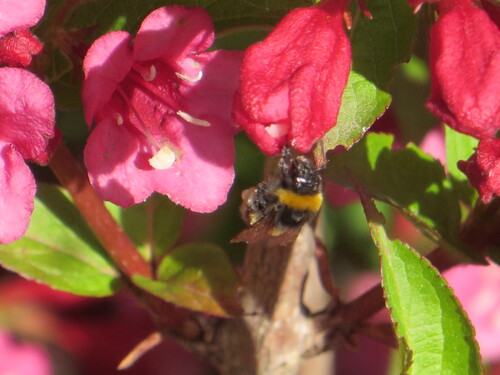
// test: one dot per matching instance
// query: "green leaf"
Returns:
(198, 277)
(410, 90)
(408, 179)
(434, 331)
(362, 104)
(460, 147)
(378, 46)
(153, 226)
(128, 14)
(240, 38)
(59, 249)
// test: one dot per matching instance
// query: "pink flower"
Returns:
(26, 127)
(18, 15)
(17, 43)
(434, 144)
(477, 289)
(292, 82)
(162, 110)
(23, 358)
(465, 69)
(339, 196)
(94, 339)
(483, 168)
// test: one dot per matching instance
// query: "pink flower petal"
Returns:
(26, 112)
(477, 289)
(18, 48)
(23, 358)
(172, 34)
(201, 180)
(107, 62)
(483, 169)
(493, 10)
(339, 196)
(210, 97)
(434, 145)
(117, 162)
(118, 167)
(19, 14)
(17, 191)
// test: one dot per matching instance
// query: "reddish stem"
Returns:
(110, 234)
(478, 232)
(116, 242)
(324, 271)
(372, 301)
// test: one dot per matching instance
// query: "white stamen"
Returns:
(193, 120)
(189, 79)
(277, 130)
(119, 119)
(163, 159)
(151, 74)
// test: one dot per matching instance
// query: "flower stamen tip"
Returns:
(163, 159)
(277, 130)
(189, 79)
(149, 75)
(193, 120)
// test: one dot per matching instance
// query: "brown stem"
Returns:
(272, 334)
(110, 234)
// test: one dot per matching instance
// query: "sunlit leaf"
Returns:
(378, 46)
(198, 277)
(433, 329)
(60, 250)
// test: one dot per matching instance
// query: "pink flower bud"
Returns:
(465, 69)
(292, 81)
(483, 169)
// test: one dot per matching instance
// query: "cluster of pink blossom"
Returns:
(162, 109)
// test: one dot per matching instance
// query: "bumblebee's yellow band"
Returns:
(300, 202)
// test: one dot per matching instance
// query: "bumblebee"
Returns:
(280, 206)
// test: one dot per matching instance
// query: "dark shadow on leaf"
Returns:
(406, 179)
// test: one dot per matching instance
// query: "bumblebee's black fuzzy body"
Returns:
(285, 201)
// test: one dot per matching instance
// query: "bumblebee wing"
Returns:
(246, 210)
(265, 231)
